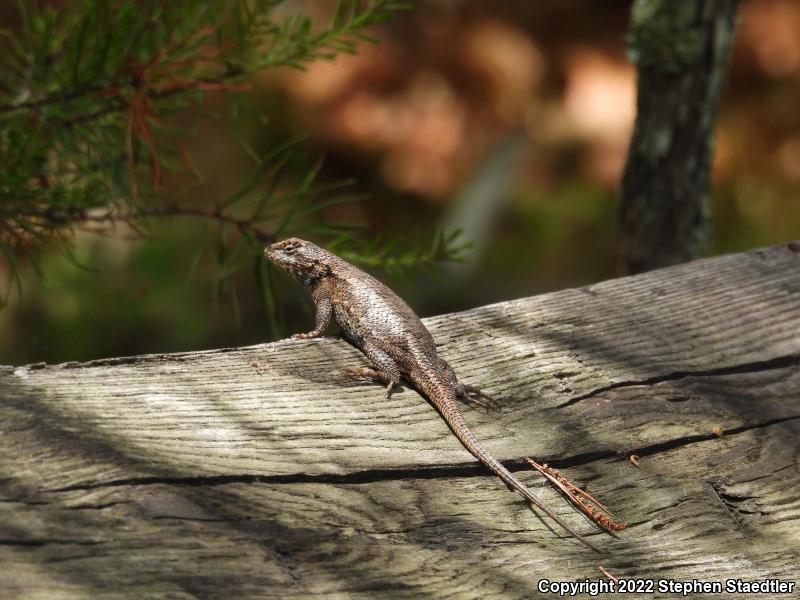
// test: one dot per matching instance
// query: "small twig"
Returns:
(62, 217)
(606, 573)
(49, 100)
(587, 503)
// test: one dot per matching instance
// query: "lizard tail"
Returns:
(446, 403)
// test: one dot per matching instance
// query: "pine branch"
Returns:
(88, 92)
(78, 216)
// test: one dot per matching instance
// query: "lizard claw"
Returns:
(368, 374)
(355, 373)
(303, 336)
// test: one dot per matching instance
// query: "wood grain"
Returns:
(262, 472)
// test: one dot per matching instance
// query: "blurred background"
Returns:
(509, 120)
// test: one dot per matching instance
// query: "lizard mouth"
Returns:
(273, 256)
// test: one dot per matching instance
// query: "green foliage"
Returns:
(90, 95)
(421, 252)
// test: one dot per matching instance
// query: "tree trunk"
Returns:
(681, 50)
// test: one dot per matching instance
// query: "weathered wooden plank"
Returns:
(261, 472)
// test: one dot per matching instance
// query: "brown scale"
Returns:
(387, 330)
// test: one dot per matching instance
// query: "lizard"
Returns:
(391, 335)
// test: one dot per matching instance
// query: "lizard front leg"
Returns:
(322, 320)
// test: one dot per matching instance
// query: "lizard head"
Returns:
(306, 262)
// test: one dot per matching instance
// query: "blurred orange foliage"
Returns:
(451, 79)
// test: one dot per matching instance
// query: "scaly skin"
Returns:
(391, 335)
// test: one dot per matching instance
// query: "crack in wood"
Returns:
(722, 498)
(704, 437)
(425, 472)
(97, 506)
(779, 362)
(48, 542)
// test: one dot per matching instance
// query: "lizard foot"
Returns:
(304, 336)
(471, 395)
(363, 374)
(373, 375)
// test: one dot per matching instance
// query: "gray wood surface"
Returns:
(261, 472)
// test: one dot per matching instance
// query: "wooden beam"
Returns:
(262, 472)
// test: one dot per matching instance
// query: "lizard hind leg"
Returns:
(384, 371)
(468, 394)
(471, 395)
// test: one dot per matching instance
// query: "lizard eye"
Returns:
(290, 249)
